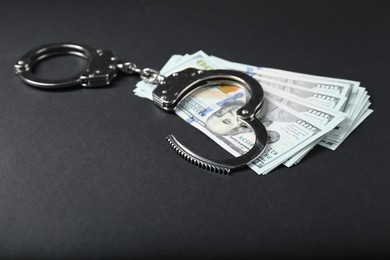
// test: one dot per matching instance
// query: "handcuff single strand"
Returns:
(103, 66)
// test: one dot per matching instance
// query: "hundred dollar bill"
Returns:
(319, 84)
(327, 84)
(332, 142)
(314, 91)
(323, 116)
(358, 103)
(318, 99)
(212, 110)
(321, 93)
(331, 80)
(201, 60)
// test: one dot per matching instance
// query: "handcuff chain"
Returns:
(147, 74)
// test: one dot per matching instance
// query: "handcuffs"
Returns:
(102, 67)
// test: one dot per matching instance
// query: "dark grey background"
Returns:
(87, 172)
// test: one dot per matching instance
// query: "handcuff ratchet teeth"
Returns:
(103, 66)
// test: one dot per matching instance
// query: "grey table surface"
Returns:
(88, 173)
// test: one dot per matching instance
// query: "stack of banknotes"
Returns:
(299, 110)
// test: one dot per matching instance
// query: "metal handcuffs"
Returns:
(103, 66)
